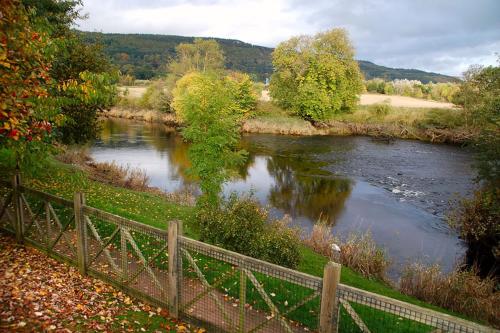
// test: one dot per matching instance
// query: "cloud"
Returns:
(444, 36)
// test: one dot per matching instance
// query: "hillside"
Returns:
(371, 71)
(145, 56)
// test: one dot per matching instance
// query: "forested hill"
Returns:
(144, 56)
(371, 71)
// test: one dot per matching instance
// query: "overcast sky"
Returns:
(444, 36)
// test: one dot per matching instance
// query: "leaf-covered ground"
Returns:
(39, 294)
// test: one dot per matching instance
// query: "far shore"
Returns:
(365, 99)
(289, 125)
(270, 119)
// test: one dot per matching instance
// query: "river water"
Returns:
(398, 191)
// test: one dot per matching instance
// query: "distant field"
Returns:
(403, 101)
(134, 92)
(366, 99)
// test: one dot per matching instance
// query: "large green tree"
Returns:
(316, 76)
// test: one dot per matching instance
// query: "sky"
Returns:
(443, 36)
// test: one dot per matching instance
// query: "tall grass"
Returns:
(415, 117)
(143, 115)
(107, 172)
(359, 252)
(462, 291)
(120, 175)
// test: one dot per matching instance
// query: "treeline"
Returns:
(144, 56)
(444, 92)
(372, 71)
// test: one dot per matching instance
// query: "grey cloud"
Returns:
(413, 33)
(439, 35)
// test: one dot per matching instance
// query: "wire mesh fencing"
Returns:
(362, 311)
(235, 293)
(127, 253)
(220, 290)
(48, 223)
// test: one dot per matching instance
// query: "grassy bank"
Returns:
(153, 209)
(377, 120)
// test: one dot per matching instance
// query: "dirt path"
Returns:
(38, 294)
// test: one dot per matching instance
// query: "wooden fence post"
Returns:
(81, 232)
(328, 320)
(123, 253)
(18, 207)
(173, 268)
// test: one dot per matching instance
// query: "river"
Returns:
(398, 191)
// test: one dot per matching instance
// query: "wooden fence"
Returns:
(213, 287)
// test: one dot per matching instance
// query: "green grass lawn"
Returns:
(63, 180)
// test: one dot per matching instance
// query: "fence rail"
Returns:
(216, 288)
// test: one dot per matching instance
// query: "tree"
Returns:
(207, 105)
(83, 79)
(80, 100)
(204, 55)
(477, 218)
(479, 95)
(243, 91)
(57, 16)
(317, 76)
(25, 118)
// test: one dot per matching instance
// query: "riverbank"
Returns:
(155, 210)
(378, 120)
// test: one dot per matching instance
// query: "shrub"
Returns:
(413, 88)
(477, 221)
(379, 110)
(75, 155)
(375, 85)
(156, 98)
(240, 225)
(461, 291)
(126, 80)
(279, 244)
(389, 89)
(233, 225)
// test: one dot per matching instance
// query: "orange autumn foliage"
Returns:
(24, 76)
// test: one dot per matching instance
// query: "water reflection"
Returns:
(294, 176)
(313, 196)
(299, 187)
